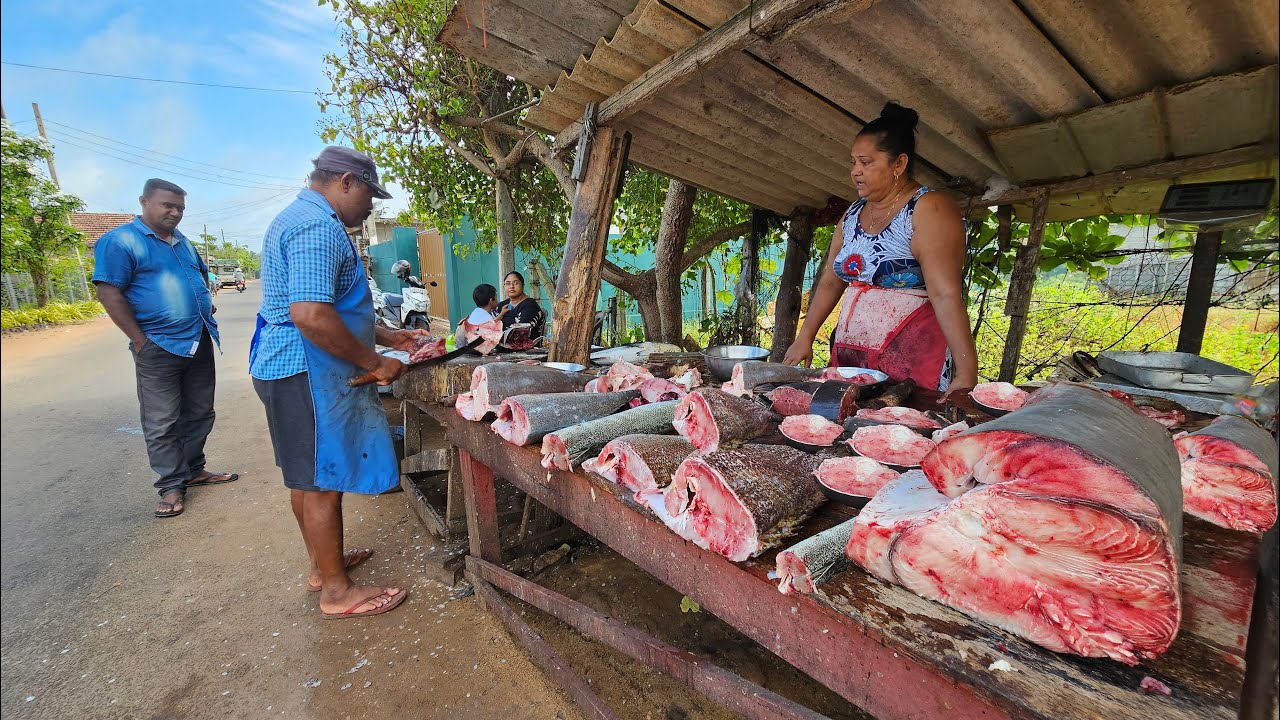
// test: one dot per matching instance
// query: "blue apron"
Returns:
(354, 452)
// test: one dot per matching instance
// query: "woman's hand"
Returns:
(956, 389)
(800, 353)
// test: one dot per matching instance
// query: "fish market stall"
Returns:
(881, 646)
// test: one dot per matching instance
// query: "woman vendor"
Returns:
(895, 266)
(520, 308)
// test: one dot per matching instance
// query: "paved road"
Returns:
(109, 612)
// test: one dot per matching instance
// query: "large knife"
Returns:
(369, 377)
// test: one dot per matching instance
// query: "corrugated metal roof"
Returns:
(1032, 90)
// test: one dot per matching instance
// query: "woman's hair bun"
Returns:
(899, 115)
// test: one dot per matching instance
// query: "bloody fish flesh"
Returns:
(1229, 474)
(811, 429)
(898, 504)
(899, 416)
(425, 348)
(793, 399)
(946, 432)
(642, 464)
(490, 331)
(1063, 526)
(565, 448)
(857, 475)
(524, 419)
(999, 395)
(891, 444)
(657, 389)
(742, 501)
(711, 419)
(812, 561)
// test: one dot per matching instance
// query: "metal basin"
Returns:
(721, 358)
(567, 367)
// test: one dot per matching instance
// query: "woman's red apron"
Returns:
(893, 330)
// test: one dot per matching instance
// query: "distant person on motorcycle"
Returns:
(486, 299)
(239, 280)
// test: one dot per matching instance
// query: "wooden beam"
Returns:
(482, 509)
(579, 283)
(1146, 173)
(1195, 311)
(786, 312)
(1022, 281)
(760, 20)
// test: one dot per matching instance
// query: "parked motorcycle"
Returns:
(409, 309)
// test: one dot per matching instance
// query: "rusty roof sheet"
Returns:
(1030, 90)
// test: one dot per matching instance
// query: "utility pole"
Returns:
(53, 175)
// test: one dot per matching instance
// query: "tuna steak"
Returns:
(811, 562)
(999, 395)
(750, 373)
(642, 464)
(495, 382)
(891, 444)
(565, 448)
(523, 419)
(899, 503)
(810, 430)
(899, 416)
(793, 399)
(1071, 536)
(858, 476)
(1229, 474)
(657, 389)
(711, 418)
(740, 502)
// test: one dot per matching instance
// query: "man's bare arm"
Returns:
(320, 323)
(121, 314)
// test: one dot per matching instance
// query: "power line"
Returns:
(238, 208)
(159, 80)
(155, 165)
(176, 157)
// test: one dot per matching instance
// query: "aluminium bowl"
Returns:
(721, 358)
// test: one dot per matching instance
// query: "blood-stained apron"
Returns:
(893, 330)
(354, 452)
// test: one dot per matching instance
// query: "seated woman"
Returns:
(520, 308)
(895, 265)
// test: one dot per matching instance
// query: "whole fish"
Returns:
(523, 419)
(712, 419)
(565, 448)
(642, 464)
(740, 502)
(810, 562)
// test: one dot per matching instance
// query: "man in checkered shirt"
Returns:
(314, 329)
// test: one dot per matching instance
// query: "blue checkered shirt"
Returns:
(307, 256)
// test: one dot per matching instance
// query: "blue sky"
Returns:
(267, 139)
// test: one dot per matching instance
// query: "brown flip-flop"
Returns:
(351, 611)
(348, 563)
(226, 478)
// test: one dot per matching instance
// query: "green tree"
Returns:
(36, 221)
(210, 246)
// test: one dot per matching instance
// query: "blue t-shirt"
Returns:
(163, 282)
(307, 256)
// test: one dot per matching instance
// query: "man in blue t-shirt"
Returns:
(152, 282)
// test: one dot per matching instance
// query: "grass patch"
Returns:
(55, 313)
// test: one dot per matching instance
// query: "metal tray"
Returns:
(1175, 371)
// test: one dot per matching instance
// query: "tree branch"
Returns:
(711, 242)
(619, 278)
(475, 160)
(548, 158)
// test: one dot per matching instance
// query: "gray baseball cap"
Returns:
(336, 158)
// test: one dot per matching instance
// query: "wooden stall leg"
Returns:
(482, 508)
(543, 654)
(412, 428)
(455, 506)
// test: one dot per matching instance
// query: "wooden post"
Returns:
(579, 282)
(786, 313)
(1195, 312)
(505, 216)
(482, 509)
(747, 291)
(1021, 282)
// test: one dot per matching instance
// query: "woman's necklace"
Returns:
(876, 222)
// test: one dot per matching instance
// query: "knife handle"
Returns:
(363, 379)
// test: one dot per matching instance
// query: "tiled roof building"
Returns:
(95, 225)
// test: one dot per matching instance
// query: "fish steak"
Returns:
(1229, 474)
(524, 419)
(812, 561)
(711, 419)
(565, 448)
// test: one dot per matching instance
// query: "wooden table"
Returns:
(879, 646)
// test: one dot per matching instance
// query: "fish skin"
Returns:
(735, 419)
(748, 374)
(501, 380)
(548, 412)
(588, 438)
(772, 484)
(660, 455)
(814, 560)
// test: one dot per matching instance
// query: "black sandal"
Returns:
(228, 477)
(175, 508)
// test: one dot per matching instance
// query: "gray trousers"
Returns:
(175, 396)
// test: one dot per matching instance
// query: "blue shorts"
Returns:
(291, 420)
